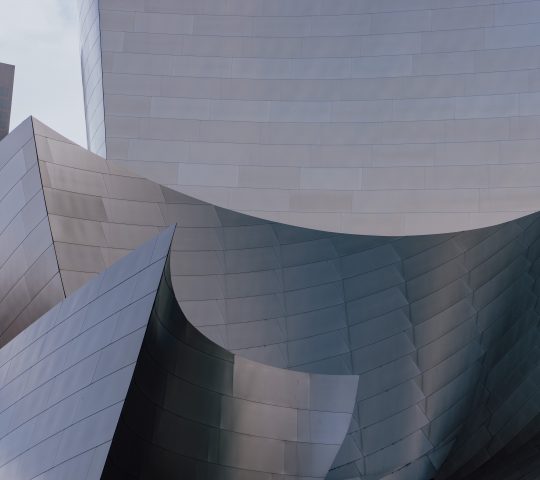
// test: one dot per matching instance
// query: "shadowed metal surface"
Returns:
(518, 461)
(441, 329)
(376, 117)
(198, 411)
(7, 73)
(118, 357)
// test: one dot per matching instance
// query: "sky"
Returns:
(41, 38)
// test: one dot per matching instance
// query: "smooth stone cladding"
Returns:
(363, 116)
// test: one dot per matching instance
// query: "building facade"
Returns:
(439, 332)
(165, 311)
(394, 117)
(7, 73)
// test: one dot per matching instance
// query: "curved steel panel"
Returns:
(118, 357)
(30, 282)
(517, 461)
(209, 414)
(64, 379)
(435, 326)
(394, 117)
(90, 40)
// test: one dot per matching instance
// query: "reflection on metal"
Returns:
(30, 281)
(7, 73)
(115, 375)
(90, 40)
(64, 379)
(209, 414)
(385, 117)
(440, 329)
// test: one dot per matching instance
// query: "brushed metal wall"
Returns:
(211, 414)
(114, 382)
(441, 329)
(375, 117)
(64, 379)
(92, 75)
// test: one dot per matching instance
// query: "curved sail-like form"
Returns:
(374, 117)
(397, 340)
(216, 415)
(115, 383)
(440, 329)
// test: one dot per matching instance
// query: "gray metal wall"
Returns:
(30, 282)
(7, 73)
(197, 411)
(64, 379)
(92, 76)
(375, 117)
(441, 329)
(120, 350)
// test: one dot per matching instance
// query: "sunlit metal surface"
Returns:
(90, 39)
(381, 117)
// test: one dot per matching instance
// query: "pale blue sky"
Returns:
(41, 38)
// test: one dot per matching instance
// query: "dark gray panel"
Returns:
(7, 73)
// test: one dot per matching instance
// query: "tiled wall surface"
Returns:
(393, 117)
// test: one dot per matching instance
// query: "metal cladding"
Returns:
(209, 414)
(7, 73)
(116, 370)
(92, 75)
(441, 330)
(30, 282)
(64, 379)
(375, 117)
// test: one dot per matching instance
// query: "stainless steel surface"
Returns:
(198, 411)
(375, 117)
(114, 382)
(7, 73)
(90, 38)
(64, 379)
(440, 329)
(30, 282)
